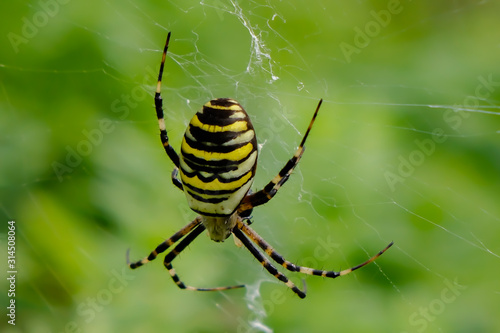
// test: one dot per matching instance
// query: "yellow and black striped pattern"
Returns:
(218, 158)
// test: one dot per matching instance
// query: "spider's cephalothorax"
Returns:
(217, 163)
(217, 166)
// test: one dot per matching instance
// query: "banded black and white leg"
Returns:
(244, 233)
(266, 263)
(161, 120)
(165, 245)
(187, 234)
(178, 249)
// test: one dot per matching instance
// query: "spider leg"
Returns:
(269, 191)
(295, 268)
(176, 180)
(159, 111)
(265, 262)
(177, 250)
(165, 245)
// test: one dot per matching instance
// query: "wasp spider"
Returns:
(217, 166)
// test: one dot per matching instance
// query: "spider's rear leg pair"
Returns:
(189, 232)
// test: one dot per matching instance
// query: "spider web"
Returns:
(405, 149)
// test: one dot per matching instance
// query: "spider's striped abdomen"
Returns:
(218, 158)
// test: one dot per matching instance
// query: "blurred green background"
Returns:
(405, 148)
